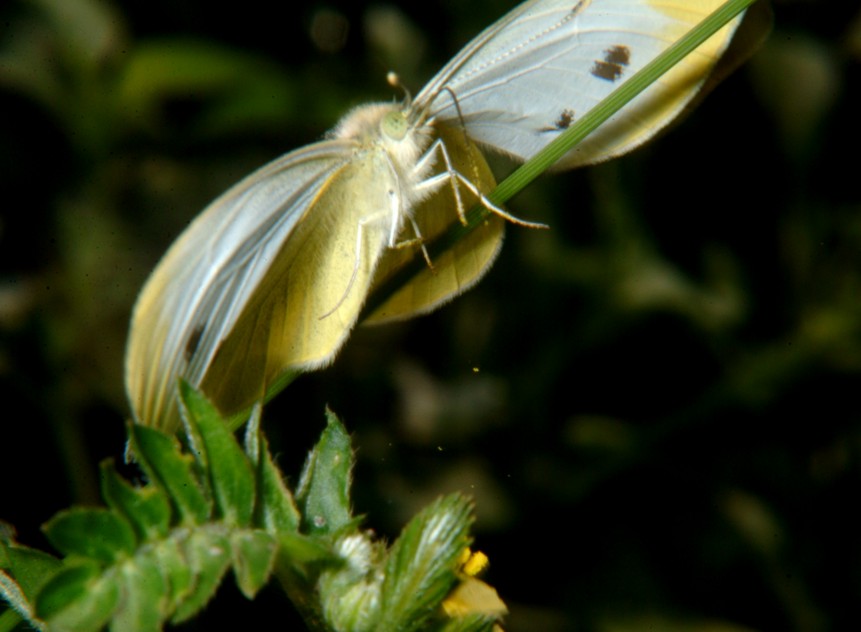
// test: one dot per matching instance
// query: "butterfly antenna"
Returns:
(394, 80)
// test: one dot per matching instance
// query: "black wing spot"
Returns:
(562, 123)
(564, 120)
(618, 55)
(616, 59)
(193, 342)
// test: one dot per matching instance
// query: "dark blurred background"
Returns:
(654, 404)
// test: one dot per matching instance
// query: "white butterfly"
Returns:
(272, 276)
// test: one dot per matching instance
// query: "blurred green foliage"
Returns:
(654, 404)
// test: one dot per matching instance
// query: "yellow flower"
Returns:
(471, 595)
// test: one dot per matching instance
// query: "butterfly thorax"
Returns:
(386, 131)
(387, 126)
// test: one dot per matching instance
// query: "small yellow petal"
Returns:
(473, 596)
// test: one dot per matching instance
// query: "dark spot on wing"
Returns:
(612, 66)
(618, 55)
(564, 120)
(193, 342)
(561, 123)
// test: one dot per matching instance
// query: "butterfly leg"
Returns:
(397, 208)
(457, 179)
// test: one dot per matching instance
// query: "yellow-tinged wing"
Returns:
(196, 294)
(310, 299)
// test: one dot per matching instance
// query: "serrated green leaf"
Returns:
(208, 555)
(30, 568)
(99, 534)
(79, 597)
(324, 487)
(253, 559)
(142, 606)
(146, 508)
(275, 509)
(420, 569)
(230, 475)
(167, 467)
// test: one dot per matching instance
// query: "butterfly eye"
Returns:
(395, 125)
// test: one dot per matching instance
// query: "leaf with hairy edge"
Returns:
(30, 568)
(275, 509)
(79, 597)
(254, 555)
(420, 569)
(323, 493)
(230, 475)
(207, 550)
(98, 534)
(160, 457)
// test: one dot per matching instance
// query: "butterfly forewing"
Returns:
(528, 77)
(197, 292)
(302, 311)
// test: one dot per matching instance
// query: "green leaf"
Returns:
(207, 551)
(79, 597)
(18, 607)
(324, 487)
(230, 475)
(30, 568)
(93, 533)
(253, 559)
(160, 457)
(143, 602)
(420, 569)
(176, 571)
(146, 508)
(276, 510)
